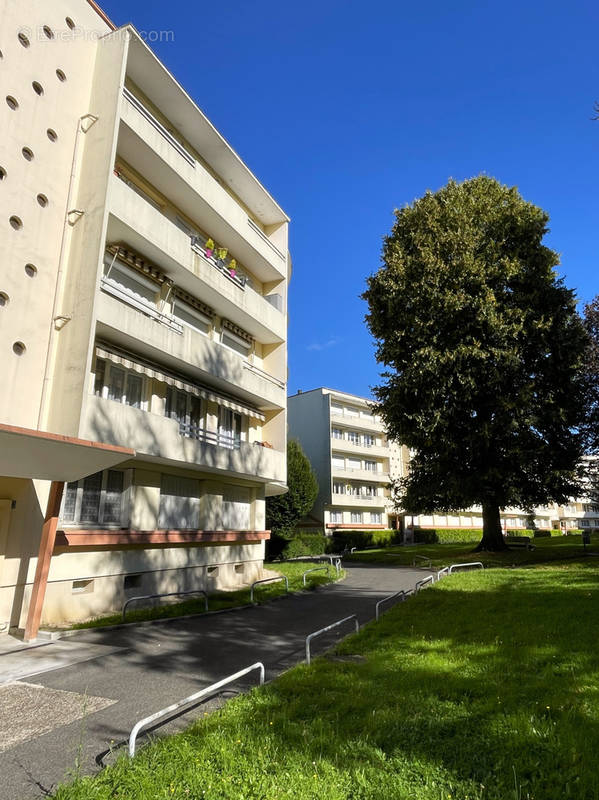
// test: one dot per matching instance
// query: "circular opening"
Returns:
(31, 270)
(4, 299)
(48, 31)
(18, 348)
(38, 88)
(70, 23)
(42, 200)
(12, 103)
(2, 173)
(52, 135)
(24, 40)
(27, 154)
(60, 75)
(16, 222)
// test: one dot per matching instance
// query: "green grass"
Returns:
(484, 686)
(221, 600)
(559, 548)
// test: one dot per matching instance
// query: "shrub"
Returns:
(293, 545)
(542, 534)
(364, 539)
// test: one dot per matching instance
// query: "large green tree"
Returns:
(285, 510)
(591, 324)
(484, 353)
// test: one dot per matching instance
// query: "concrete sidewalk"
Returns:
(82, 695)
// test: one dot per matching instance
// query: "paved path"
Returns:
(78, 696)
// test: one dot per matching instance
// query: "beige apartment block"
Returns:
(143, 305)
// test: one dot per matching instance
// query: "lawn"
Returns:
(222, 600)
(547, 550)
(485, 685)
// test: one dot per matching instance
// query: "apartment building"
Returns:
(352, 458)
(143, 307)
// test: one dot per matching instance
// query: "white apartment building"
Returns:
(351, 456)
(143, 305)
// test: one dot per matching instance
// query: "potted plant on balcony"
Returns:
(221, 253)
(232, 267)
(209, 248)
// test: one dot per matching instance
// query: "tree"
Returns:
(591, 324)
(284, 510)
(484, 353)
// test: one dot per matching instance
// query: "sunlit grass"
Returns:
(484, 686)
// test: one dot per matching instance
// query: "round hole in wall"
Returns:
(42, 200)
(52, 135)
(4, 299)
(60, 75)
(11, 102)
(16, 222)
(48, 31)
(30, 270)
(2, 173)
(18, 348)
(24, 40)
(70, 23)
(27, 154)
(38, 88)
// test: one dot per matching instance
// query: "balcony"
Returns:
(358, 501)
(356, 423)
(140, 224)
(345, 446)
(155, 152)
(360, 474)
(158, 439)
(188, 352)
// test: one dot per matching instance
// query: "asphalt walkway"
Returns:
(65, 704)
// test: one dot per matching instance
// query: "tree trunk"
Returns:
(492, 540)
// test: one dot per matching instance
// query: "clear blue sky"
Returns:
(346, 110)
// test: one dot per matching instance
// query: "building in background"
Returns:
(355, 461)
(143, 298)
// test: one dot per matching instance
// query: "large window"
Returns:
(179, 503)
(229, 428)
(236, 508)
(234, 342)
(353, 437)
(370, 466)
(356, 517)
(99, 499)
(191, 317)
(337, 433)
(336, 516)
(187, 410)
(116, 383)
(368, 440)
(376, 517)
(338, 487)
(129, 285)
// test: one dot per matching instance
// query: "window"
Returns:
(236, 508)
(336, 516)
(353, 437)
(116, 383)
(234, 342)
(128, 285)
(356, 517)
(338, 462)
(338, 487)
(368, 440)
(99, 499)
(354, 463)
(351, 412)
(370, 466)
(179, 503)
(376, 517)
(187, 410)
(336, 409)
(337, 433)
(191, 317)
(585, 523)
(229, 428)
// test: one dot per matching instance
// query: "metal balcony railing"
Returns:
(230, 441)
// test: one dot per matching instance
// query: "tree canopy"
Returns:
(484, 353)
(285, 510)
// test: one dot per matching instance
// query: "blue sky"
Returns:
(347, 110)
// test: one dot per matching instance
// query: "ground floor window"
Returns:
(236, 508)
(99, 499)
(356, 517)
(376, 517)
(179, 503)
(336, 516)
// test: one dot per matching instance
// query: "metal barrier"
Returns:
(315, 569)
(192, 698)
(423, 582)
(268, 580)
(422, 558)
(385, 599)
(444, 571)
(166, 594)
(454, 567)
(328, 628)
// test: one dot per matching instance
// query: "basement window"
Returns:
(83, 587)
(132, 582)
(212, 572)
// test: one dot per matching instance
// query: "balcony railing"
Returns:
(236, 275)
(112, 287)
(230, 441)
(139, 106)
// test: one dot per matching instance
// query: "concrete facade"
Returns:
(120, 324)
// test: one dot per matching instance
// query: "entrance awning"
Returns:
(26, 453)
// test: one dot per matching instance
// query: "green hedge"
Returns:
(364, 539)
(297, 544)
(447, 535)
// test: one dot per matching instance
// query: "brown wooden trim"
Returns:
(126, 536)
(57, 437)
(42, 569)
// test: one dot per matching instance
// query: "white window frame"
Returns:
(336, 517)
(125, 504)
(106, 383)
(357, 518)
(353, 437)
(337, 433)
(376, 517)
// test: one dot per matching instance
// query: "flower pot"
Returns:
(208, 252)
